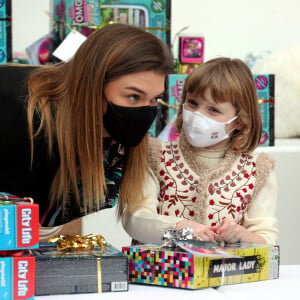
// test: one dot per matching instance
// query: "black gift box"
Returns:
(93, 271)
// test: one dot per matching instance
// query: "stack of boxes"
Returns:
(19, 232)
(5, 31)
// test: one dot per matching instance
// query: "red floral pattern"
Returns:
(227, 196)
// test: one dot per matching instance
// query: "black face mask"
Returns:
(128, 125)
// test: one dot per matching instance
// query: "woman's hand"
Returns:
(202, 232)
(229, 231)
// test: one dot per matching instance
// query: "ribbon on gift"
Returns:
(78, 243)
(6, 198)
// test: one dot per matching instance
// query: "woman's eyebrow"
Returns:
(133, 88)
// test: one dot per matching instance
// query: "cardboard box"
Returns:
(177, 268)
(93, 271)
(17, 278)
(175, 88)
(19, 223)
(191, 49)
(154, 16)
(266, 98)
(5, 32)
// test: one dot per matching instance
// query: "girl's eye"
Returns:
(192, 103)
(213, 110)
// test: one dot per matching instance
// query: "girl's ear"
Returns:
(238, 126)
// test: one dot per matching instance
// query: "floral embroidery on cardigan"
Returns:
(183, 193)
(230, 195)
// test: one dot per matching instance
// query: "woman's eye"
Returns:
(134, 97)
(156, 100)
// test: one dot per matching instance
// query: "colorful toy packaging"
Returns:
(5, 31)
(79, 271)
(86, 16)
(157, 265)
(191, 49)
(19, 223)
(265, 90)
(153, 15)
(175, 87)
(17, 276)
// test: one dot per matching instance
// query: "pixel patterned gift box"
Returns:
(181, 269)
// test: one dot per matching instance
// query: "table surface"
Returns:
(286, 287)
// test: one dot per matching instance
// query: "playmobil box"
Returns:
(79, 271)
(197, 268)
(17, 277)
(19, 223)
(266, 99)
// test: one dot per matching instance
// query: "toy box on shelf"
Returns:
(191, 53)
(153, 15)
(265, 86)
(89, 271)
(152, 264)
(5, 31)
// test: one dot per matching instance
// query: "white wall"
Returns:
(231, 28)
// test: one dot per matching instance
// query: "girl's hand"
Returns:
(202, 232)
(229, 231)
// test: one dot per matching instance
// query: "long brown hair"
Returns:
(229, 80)
(68, 100)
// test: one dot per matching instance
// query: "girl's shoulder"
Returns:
(155, 150)
(263, 160)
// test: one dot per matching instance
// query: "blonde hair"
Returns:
(229, 80)
(66, 104)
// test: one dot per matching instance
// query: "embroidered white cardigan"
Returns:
(205, 186)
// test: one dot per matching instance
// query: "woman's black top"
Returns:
(18, 177)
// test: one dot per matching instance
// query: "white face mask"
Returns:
(202, 131)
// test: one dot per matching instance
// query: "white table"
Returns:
(286, 287)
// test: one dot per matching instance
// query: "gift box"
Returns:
(92, 271)
(265, 91)
(19, 223)
(17, 278)
(156, 265)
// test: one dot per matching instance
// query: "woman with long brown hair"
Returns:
(74, 134)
